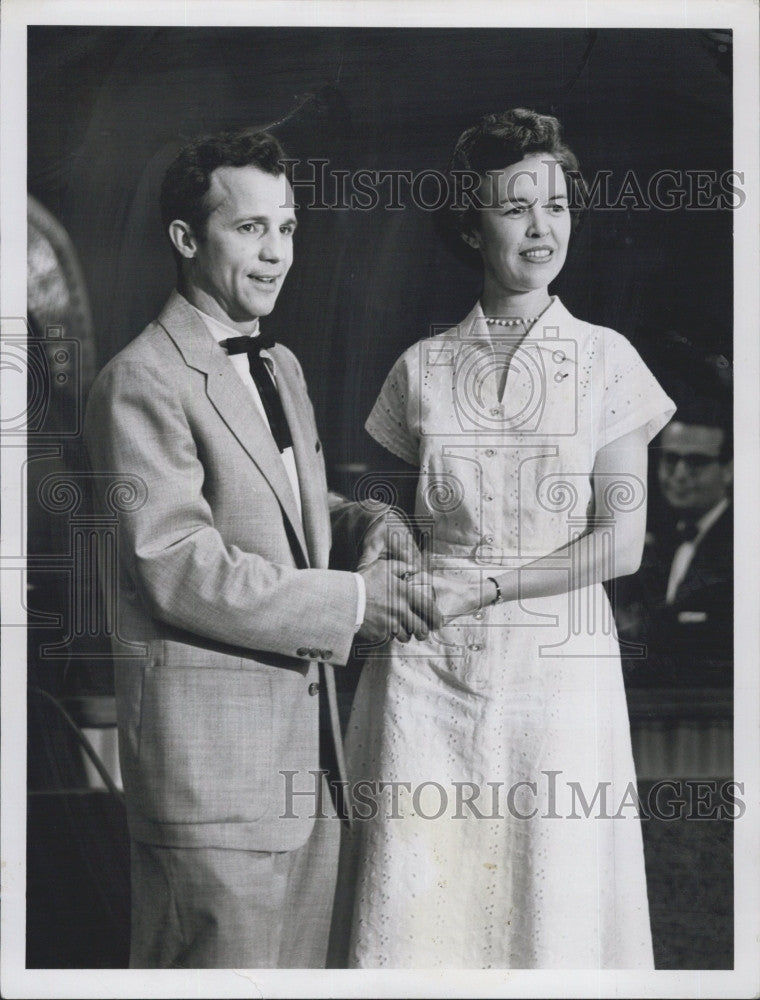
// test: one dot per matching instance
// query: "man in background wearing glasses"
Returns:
(680, 604)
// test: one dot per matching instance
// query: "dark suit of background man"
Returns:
(223, 578)
(681, 601)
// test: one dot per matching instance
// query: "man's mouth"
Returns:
(679, 496)
(266, 281)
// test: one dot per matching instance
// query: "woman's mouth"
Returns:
(537, 255)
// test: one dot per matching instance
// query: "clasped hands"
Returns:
(402, 599)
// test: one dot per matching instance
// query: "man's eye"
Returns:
(514, 211)
(558, 209)
(247, 227)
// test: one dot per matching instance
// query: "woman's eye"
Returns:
(558, 209)
(513, 212)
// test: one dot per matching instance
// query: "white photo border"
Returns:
(743, 980)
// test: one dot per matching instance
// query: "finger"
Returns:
(421, 631)
(401, 545)
(422, 602)
(398, 627)
(416, 617)
(397, 567)
(415, 626)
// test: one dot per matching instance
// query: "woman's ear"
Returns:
(182, 239)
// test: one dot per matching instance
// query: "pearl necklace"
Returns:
(527, 321)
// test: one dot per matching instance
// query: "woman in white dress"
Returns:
(496, 820)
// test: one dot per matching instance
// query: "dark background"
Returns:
(109, 108)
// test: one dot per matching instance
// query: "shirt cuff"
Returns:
(361, 594)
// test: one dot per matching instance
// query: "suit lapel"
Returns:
(232, 401)
(712, 561)
(313, 503)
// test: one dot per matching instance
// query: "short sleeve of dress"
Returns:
(631, 397)
(391, 419)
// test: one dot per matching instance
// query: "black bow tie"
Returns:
(686, 531)
(270, 398)
(243, 345)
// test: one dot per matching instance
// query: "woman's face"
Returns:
(524, 224)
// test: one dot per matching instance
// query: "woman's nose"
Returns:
(538, 225)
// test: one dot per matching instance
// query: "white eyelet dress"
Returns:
(507, 833)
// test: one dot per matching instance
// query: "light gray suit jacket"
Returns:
(225, 585)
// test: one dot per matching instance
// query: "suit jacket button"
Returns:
(314, 654)
(314, 688)
(303, 651)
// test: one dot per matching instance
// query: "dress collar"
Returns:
(475, 327)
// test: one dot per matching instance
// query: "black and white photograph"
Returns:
(379, 499)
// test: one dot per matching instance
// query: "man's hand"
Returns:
(390, 538)
(398, 603)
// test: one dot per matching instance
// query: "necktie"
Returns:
(270, 398)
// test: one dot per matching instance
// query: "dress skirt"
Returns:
(496, 816)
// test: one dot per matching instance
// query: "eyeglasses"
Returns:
(694, 461)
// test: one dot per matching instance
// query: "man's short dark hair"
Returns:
(726, 453)
(188, 178)
(701, 411)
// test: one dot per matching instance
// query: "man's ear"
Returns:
(728, 473)
(472, 239)
(182, 238)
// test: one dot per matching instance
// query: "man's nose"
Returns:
(680, 468)
(272, 247)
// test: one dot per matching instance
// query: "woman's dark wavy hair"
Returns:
(188, 177)
(499, 140)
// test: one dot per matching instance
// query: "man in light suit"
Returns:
(222, 577)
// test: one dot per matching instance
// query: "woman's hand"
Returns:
(461, 593)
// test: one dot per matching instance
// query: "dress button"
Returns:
(326, 654)
(488, 497)
(314, 687)
(488, 539)
(558, 356)
(490, 452)
(314, 654)
(475, 647)
(303, 651)
(496, 411)
(479, 615)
